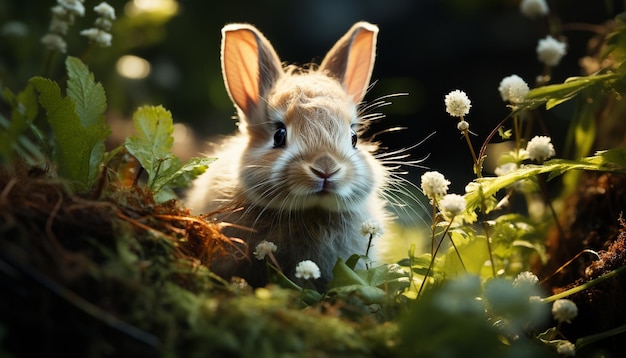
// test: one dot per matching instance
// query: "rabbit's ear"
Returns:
(351, 60)
(250, 65)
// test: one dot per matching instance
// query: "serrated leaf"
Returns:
(88, 95)
(180, 175)
(75, 146)
(152, 141)
(151, 146)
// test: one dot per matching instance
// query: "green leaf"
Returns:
(88, 95)
(613, 160)
(151, 146)
(153, 140)
(24, 109)
(368, 284)
(76, 147)
(556, 94)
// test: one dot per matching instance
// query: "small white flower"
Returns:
(59, 26)
(550, 51)
(54, 42)
(371, 227)
(539, 148)
(462, 126)
(434, 184)
(525, 278)
(564, 310)
(457, 103)
(74, 6)
(566, 348)
(505, 169)
(513, 88)
(105, 10)
(59, 11)
(263, 249)
(533, 8)
(103, 24)
(100, 37)
(307, 270)
(452, 205)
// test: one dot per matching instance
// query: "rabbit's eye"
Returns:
(280, 137)
(354, 137)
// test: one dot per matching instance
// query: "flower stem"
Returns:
(432, 260)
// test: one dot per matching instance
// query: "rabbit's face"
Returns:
(307, 153)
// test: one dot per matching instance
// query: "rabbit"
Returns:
(296, 174)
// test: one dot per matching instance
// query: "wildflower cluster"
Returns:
(63, 16)
(99, 34)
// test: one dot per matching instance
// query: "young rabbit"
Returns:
(296, 174)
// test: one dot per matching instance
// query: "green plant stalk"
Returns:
(432, 260)
(581, 342)
(584, 286)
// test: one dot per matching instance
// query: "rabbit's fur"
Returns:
(311, 194)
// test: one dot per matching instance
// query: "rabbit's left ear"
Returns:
(351, 60)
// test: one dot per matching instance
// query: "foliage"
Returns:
(130, 241)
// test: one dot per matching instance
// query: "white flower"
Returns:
(105, 10)
(452, 205)
(59, 26)
(263, 249)
(307, 269)
(434, 184)
(566, 348)
(550, 51)
(525, 278)
(74, 6)
(513, 88)
(457, 103)
(54, 42)
(505, 169)
(539, 148)
(534, 8)
(564, 310)
(101, 37)
(371, 227)
(463, 126)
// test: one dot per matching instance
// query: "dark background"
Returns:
(426, 48)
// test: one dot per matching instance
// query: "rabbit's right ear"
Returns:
(250, 66)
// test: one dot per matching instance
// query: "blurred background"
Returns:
(167, 52)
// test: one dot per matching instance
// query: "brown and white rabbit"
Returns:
(296, 171)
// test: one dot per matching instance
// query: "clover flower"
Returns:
(539, 148)
(525, 278)
(513, 89)
(457, 103)
(550, 50)
(434, 184)
(566, 348)
(264, 248)
(452, 205)
(371, 227)
(534, 8)
(564, 310)
(307, 269)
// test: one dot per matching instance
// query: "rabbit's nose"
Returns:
(324, 167)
